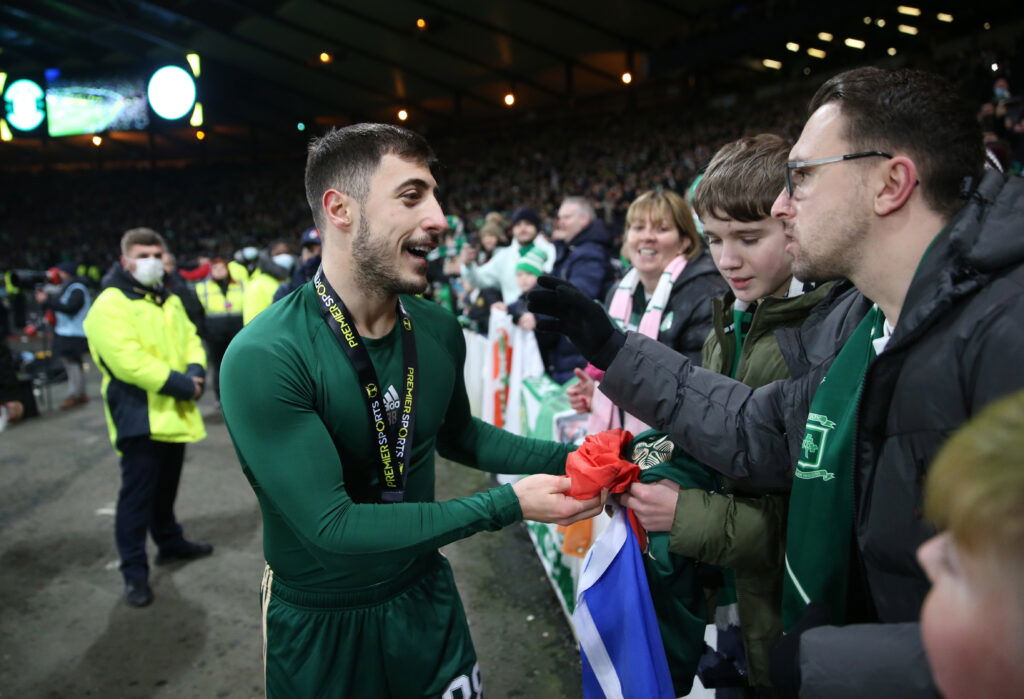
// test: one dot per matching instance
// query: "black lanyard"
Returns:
(394, 444)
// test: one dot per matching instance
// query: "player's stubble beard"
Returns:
(376, 270)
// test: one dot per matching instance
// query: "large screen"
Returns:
(84, 105)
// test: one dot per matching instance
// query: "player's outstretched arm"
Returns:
(543, 498)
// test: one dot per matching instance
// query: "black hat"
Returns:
(311, 236)
(526, 214)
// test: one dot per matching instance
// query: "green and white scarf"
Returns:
(821, 506)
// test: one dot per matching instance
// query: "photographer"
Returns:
(70, 305)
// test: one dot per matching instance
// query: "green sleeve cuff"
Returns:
(506, 505)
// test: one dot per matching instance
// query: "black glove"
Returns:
(581, 318)
(784, 656)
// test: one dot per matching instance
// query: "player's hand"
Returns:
(500, 306)
(542, 498)
(653, 503)
(581, 395)
(15, 410)
(198, 381)
(527, 321)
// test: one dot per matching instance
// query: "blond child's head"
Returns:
(972, 622)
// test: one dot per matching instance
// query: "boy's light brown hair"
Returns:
(975, 488)
(141, 236)
(743, 179)
(665, 206)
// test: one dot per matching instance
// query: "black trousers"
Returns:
(150, 472)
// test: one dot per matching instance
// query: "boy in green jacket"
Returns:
(736, 528)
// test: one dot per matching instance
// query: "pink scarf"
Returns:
(604, 415)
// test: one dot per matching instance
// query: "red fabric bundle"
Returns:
(598, 464)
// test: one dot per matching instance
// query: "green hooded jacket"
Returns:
(741, 529)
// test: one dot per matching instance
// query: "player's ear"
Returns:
(339, 209)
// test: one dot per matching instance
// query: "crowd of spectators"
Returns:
(216, 209)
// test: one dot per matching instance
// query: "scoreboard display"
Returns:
(69, 103)
(85, 105)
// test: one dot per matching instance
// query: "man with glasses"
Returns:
(885, 188)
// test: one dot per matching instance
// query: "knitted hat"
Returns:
(526, 214)
(533, 262)
(67, 267)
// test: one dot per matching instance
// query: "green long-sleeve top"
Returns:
(292, 404)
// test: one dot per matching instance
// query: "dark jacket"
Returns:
(476, 309)
(10, 390)
(304, 271)
(689, 308)
(686, 321)
(585, 262)
(176, 284)
(946, 360)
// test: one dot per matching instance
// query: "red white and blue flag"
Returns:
(623, 656)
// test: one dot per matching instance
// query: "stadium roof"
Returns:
(451, 62)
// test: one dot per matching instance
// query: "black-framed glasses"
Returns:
(804, 164)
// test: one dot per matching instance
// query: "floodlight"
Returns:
(24, 102)
(172, 92)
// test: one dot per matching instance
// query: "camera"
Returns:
(29, 278)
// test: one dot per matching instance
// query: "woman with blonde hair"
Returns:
(666, 294)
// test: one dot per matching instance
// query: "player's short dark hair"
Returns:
(346, 158)
(743, 179)
(919, 113)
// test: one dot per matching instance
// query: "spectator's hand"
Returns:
(581, 394)
(784, 655)
(40, 296)
(527, 321)
(198, 381)
(15, 410)
(653, 503)
(469, 254)
(582, 319)
(542, 498)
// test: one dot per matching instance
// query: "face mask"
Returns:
(250, 253)
(284, 261)
(148, 270)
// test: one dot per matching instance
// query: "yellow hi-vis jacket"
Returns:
(148, 350)
(215, 302)
(239, 272)
(259, 294)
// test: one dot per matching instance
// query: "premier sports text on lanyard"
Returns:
(394, 443)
